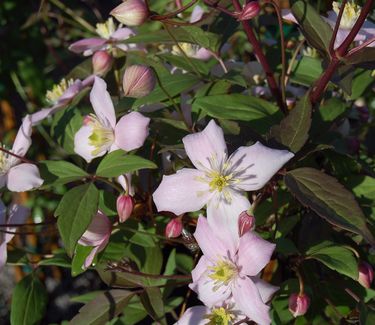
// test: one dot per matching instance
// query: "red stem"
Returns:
(17, 156)
(337, 26)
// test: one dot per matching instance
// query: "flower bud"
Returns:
(249, 11)
(138, 81)
(131, 12)
(101, 63)
(173, 228)
(246, 222)
(366, 274)
(125, 205)
(299, 304)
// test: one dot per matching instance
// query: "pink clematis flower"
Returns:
(96, 235)
(17, 215)
(60, 97)
(100, 133)
(218, 181)
(16, 175)
(111, 38)
(226, 272)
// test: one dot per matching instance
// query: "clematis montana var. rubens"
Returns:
(219, 181)
(97, 235)
(17, 214)
(227, 273)
(15, 174)
(100, 133)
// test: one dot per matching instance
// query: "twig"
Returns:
(335, 30)
(174, 13)
(17, 156)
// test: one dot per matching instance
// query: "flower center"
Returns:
(189, 49)
(350, 14)
(219, 182)
(101, 137)
(58, 90)
(106, 29)
(4, 161)
(223, 272)
(220, 316)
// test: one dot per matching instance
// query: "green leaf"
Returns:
(337, 258)
(361, 81)
(29, 301)
(317, 32)
(306, 71)
(329, 199)
(79, 258)
(58, 259)
(119, 162)
(103, 308)
(259, 114)
(60, 172)
(152, 300)
(364, 58)
(363, 187)
(293, 130)
(75, 212)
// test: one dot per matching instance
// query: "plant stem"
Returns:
(335, 30)
(174, 13)
(17, 156)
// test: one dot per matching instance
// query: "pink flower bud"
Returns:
(250, 11)
(246, 222)
(173, 228)
(366, 274)
(101, 62)
(125, 205)
(299, 304)
(138, 81)
(131, 12)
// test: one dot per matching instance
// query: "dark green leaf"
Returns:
(75, 213)
(60, 172)
(152, 300)
(79, 258)
(119, 162)
(306, 71)
(364, 58)
(329, 199)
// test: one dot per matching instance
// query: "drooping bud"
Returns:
(246, 222)
(173, 228)
(366, 274)
(101, 63)
(249, 11)
(131, 12)
(124, 205)
(138, 81)
(299, 304)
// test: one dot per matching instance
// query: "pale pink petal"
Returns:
(88, 81)
(126, 183)
(203, 54)
(122, 34)
(254, 253)
(3, 180)
(131, 131)
(97, 232)
(200, 268)
(71, 92)
(182, 192)
(265, 289)
(255, 165)
(102, 103)
(249, 301)
(207, 147)
(3, 255)
(197, 14)
(223, 219)
(3, 211)
(82, 144)
(287, 15)
(39, 116)
(23, 177)
(83, 45)
(90, 258)
(208, 293)
(194, 316)
(208, 241)
(17, 215)
(22, 142)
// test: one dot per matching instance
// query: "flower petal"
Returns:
(42, 114)
(3, 211)
(23, 177)
(265, 289)
(102, 103)
(122, 34)
(85, 44)
(254, 253)
(17, 215)
(71, 92)
(22, 142)
(205, 146)
(182, 192)
(288, 15)
(131, 131)
(194, 316)
(197, 14)
(3, 255)
(211, 246)
(98, 231)
(200, 268)
(255, 165)
(249, 301)
(82, 144)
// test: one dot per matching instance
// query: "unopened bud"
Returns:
(173, 228)
(299, 304)
(366, 274)
(249, 11)
(246, 222)
(131, 12)
(101, 63)
(138, 81)
(124, 205)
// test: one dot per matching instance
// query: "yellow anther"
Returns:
(101, 136)
(189, 49)
(223, 272)
(350, 14)
(220, 316)
(58, 90)
(106, 29)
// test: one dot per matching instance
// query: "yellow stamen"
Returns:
(189, 49)
(219, 182)
(106, 29)
(58, 90)
(220, 316)
(350, 14)
(223, 272)
(101, 137)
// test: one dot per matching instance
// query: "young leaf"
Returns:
(60, 172)
(29, 301)
(103, 308)
(293, 131)
(118, 162)
(75, 211)
(152, 300)
(329, 199)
